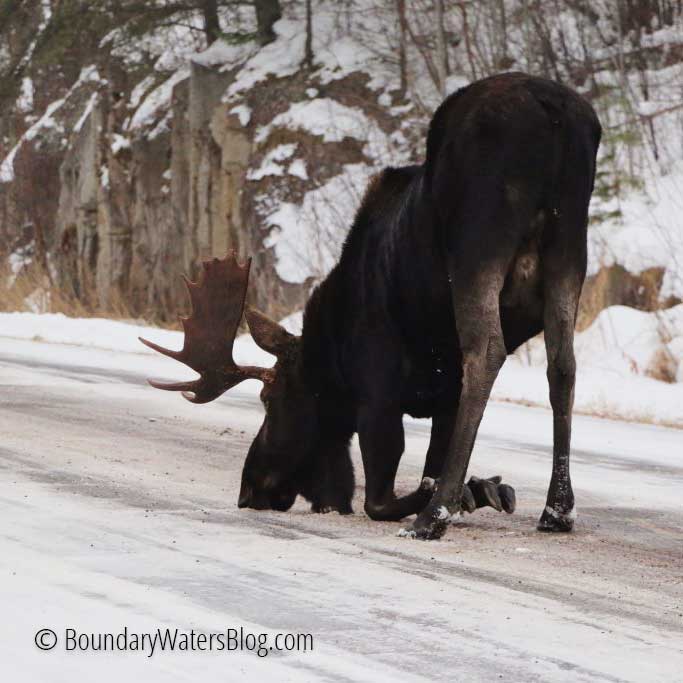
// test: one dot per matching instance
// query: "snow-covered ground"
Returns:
(118, 509)
(615, 356)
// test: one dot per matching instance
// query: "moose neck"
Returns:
(322, 339)
(357, 286)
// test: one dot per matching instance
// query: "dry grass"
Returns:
(33, 291)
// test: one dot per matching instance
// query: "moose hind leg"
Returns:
(561, 300)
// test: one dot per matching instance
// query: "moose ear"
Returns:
(268, 334)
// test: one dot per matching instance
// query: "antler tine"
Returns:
(167, 352)
(217, 300)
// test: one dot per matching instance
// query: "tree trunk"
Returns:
(441, 49)
(402, 60)
(212, 27)
(503, 59)
(468, 44)
(267, 13)
(308, 51)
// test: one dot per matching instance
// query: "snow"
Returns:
(605, 386)
(625, 341)
(110, 335)
(298, 168)
(128, 518)
(345, 56)
(307, 237)
(282, 57)
(270, 164)
(325, 117)
(18, 260)
(45, 121)
(119, 142)
(455, 82)
(140, 89)
(164, 126)
(157, 99)
(243, 113)
(86, 112)
(225, 54)
(24, 102)
(648, 234)
(88, 74)
(168, 46)
(598, 392)
(337, 52)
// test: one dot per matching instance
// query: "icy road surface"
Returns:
(118, 508)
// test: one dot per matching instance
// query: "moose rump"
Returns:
(510, 170)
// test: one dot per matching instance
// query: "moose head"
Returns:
(276, 469)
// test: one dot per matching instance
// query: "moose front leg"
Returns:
(332, 480)
(381, 438)
(382, 443)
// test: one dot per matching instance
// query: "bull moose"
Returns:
(448, 267)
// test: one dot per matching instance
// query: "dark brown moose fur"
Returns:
(449, 266)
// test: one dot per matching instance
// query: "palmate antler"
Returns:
(217, 306)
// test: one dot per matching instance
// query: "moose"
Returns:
(449, 266)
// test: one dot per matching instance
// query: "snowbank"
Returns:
(647, 234)
(624, 341)
(608, 383)
(109, 335)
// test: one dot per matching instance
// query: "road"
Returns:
(118, 508)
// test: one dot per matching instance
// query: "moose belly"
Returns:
(429, 386)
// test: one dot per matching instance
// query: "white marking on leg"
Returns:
(442, 513)
(571, 515)
(406, 533)
(552, 512)
(428, 484)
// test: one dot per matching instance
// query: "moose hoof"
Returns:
(479, 493)
(431, 532)
(552, 520)
(430, 525)
(468, 502)
(508, 498)
(324, 509)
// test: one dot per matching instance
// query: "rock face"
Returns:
(615, 286)
(151, 184)
(78, 232)
(137, 210)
